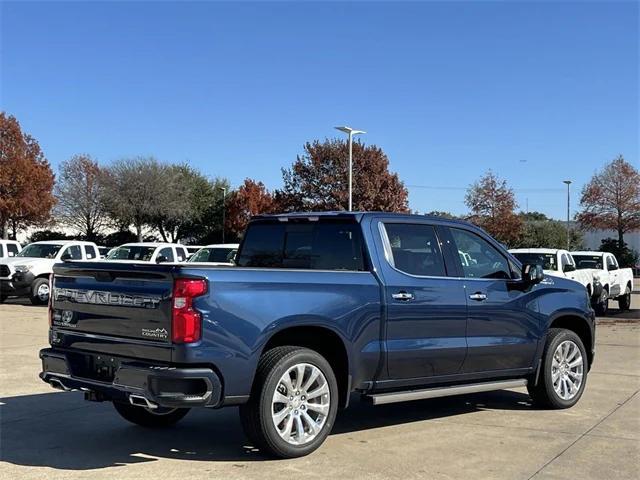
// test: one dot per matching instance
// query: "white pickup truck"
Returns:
(9, 248)
(559, 263)
(148, 252)
(617, 283)
(27, 273)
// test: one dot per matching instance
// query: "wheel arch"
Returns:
(580, 327)
(327, 343)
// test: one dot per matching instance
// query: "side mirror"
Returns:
(161, 258)
(65, 257)
(569, 268)
(532, 274)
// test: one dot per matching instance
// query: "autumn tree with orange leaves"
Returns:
(251, 198)
(493, 204)
(611, 200)
(26, 179)
(318, 180)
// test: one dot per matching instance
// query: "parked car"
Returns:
(560, 263)
(319, 305)
(617, 283)
(216, 254)
(148, 252)
(27, 274)
(9, 248)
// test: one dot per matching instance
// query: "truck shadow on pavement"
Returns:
(61, 431)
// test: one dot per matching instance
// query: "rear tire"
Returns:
(163, 417)
(40, 291)
(624, 301)
(563, 373)
(291, 417)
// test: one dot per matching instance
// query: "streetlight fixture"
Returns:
(568, 183)
(351, 132)
(224, 197)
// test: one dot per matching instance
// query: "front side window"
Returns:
(40, 250)
(167, 253)
(74, 252)
(483, 259)
(303, 245)
(415, 249)
(611, 263)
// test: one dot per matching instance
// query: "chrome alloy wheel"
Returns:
(300, 404)
(43, 292)
(567, 369)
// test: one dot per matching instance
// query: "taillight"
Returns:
(50, 303)
(186, 322)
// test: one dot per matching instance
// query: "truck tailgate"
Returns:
(125, 301)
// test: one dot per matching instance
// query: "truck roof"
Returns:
(536, 250)
(591, 254)
(358, 216)
(61, 242)
(151, 244)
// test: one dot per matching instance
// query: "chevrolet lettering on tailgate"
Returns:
(98, 297)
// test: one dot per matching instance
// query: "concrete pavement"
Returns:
(49, 434)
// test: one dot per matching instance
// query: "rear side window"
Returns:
(12, 249)
(478, 258)
(308, 245)
(181, 254)
(415, 249)
(90, 252)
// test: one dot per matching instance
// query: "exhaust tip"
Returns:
(140, 401)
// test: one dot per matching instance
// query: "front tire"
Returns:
(293, 404)
(602, 304)
(40, 291)
(156, 418)
(563, 373)
(624, 301)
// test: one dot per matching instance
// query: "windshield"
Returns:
(588, 261)
(40, 250)
(546, 260)
(132, 252)
(221, 255)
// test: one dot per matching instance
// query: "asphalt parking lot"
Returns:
(50, 434)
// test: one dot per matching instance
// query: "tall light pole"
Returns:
(224, 197)
(351, 132)
(568, 182)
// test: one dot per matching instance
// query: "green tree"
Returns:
(627, 257)
(139, 190)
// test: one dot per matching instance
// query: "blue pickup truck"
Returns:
(318, 306)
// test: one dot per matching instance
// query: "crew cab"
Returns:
(318, 306)
(216, 254)
(617, 283)
(559, 263)
(27, 274)
(9, 248)
(148, 252)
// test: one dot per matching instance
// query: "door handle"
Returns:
(479, 297)
(402, 296)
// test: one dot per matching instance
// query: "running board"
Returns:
(408, 395)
